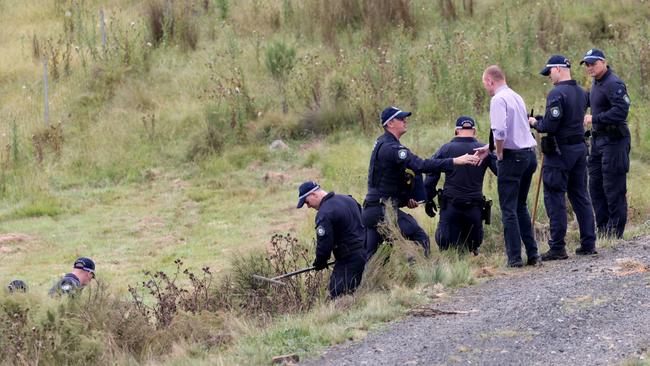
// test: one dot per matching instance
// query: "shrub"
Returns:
(280, 60)
(170, 298)
(326, 121)
(210, 140)
(258, 298)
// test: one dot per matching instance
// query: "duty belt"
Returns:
(344, 251)
(570, 140)
(380, 202)
(612, 131)
(458, 201)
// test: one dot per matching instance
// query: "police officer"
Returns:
(338, 231)
(17, 286)
(564, 171)
(609, 159)
(83, 271)
(462, 204)
(388, 180)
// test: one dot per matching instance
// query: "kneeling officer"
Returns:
(83, 271)
(339, 231)
(462, 204)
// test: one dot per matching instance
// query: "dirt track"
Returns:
(581, 311)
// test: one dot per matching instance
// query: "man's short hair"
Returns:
(495, 73)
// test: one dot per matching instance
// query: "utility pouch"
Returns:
(623, 130)
(616, 132)
(442, 200)
(486, 212)
(550, 146)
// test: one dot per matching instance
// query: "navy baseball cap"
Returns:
(305, 190)
(85, 264)
(465, 122)
(391, 113)
(555, 61)
(592, 56)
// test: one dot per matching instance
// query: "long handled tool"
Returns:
(539, 180)
(539, 183)
(276, 280)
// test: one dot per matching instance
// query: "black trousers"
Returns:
(372, 215)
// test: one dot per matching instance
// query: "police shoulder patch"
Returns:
(555, 112)
(626, 98)
(320, 230)
(66, 287)
(402, 154)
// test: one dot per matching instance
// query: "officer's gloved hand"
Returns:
(430, 208)
(320, 265)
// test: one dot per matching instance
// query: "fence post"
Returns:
(102, 27)
(46, 111)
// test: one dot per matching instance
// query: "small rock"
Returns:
(275, 177)
(278, 145)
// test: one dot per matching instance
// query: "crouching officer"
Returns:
(338, 231)
(564, 172)
(387, 182)
(462, 204)
(609, 159)
(83, 271)
(16, 286)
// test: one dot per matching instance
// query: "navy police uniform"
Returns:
(564, 171)
(609, 159)
(339, 231)
(70, 284)
(386, 182)
(461, 201)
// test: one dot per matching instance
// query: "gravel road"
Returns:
(581, 311)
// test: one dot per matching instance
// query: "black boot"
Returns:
(554, 255)
(583, 251)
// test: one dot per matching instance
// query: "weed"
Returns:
(280, 60)
(393, 263)
(223, 7)
(169, 21)
(149, 123)
(50, 137)
(170, 299)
